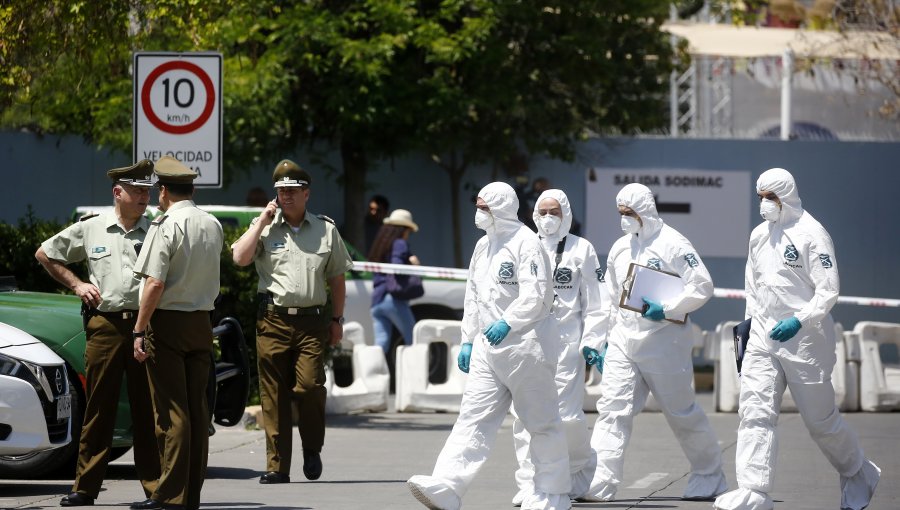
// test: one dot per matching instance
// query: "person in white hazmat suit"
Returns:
(509, 351)
(791, 283)
(647, 354)
(579, 311)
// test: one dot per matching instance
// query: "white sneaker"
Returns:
(433, 493)
(857, 491)
(744, 499)
(705, 487)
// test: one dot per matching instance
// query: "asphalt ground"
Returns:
(368, 458)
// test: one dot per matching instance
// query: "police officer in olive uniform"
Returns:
(296, 254)
(180, 266)
(110, 243)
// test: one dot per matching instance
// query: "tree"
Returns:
(539, 77)
(469, 81)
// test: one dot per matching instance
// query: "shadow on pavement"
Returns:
(632, 503)
(395, 421)
(11, 490)
(245, 506)
(231, 473)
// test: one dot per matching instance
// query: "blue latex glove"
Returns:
(593, 357)
(496, 332)
(465, 354)
(653, 311)
(785, 329)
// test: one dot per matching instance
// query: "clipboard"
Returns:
(656, 285)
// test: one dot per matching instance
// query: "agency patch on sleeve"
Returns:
(533, 268)
(691, 259)
(601, 274)
(825, 259)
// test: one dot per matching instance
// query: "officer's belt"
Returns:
(293, 310)
(266, 302)
(121, 314)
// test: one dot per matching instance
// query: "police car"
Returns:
(35, 400)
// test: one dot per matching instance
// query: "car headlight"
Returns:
(31, 373)
(9, 366)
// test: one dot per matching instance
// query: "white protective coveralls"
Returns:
(509, 279)
(644, 356)
(580, 312)
(792, 272)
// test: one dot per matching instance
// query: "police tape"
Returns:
(452, 273)
(842, 300)
(449, 273)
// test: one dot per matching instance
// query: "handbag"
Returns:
(405, 286)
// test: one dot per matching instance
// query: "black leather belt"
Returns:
(121, 314)
(294, 310)
(266, 303)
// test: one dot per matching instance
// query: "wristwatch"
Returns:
(138, 334)
(339, 320)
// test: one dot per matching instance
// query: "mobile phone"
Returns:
(277, 202)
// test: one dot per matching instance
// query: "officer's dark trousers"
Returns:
(291, 361)
(108, 356)
(178, 366)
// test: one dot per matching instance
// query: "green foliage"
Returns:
(468, 81)
(18, 243)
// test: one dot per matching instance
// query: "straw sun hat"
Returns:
(403, 218)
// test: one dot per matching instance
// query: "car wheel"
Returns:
(38, 464)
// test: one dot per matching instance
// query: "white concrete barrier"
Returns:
(370, 388)
(727, 387)
(854, 360)
(413, 390)
(879, 379)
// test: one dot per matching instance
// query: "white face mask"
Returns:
(483, 219)
(549, 224)
(769, 210)
(630, 225)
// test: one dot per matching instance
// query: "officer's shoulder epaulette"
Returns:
(326, 218)
(88, 216)
(159, 219)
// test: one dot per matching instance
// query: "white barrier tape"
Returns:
(452, 273)
(842, 300)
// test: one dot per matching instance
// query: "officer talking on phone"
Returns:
(298, 256)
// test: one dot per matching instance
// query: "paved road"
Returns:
(368, 458)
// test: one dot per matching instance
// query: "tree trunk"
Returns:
(456, 169)
(353, 157)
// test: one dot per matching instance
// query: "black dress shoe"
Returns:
(275, 477)
(76, 499)
(147, 504)
(312, 465)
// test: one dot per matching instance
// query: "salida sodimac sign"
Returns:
(178, 111)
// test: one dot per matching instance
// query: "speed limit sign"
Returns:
(178, 111)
